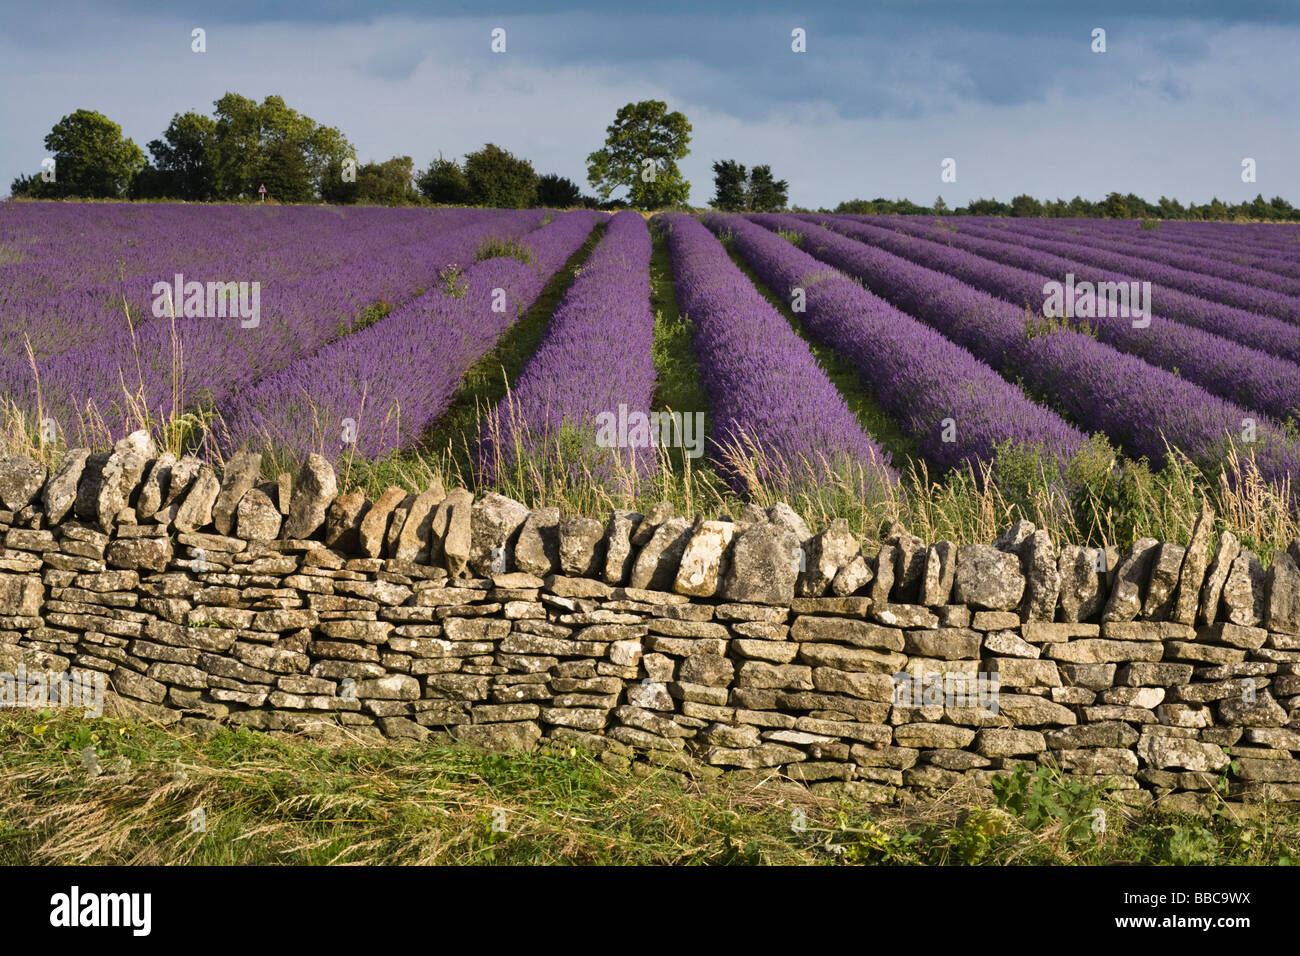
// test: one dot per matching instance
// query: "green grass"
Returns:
(504, 249)
(677, 384)
(281, 800)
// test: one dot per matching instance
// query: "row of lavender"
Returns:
(163, 364)
(1256, 377)
(1141, 407)
(594, 361)
(921, 378)
(70, 272)
(769, 398)
(1268, 261)
(938, 344)
(381, 388)
(1255, 329)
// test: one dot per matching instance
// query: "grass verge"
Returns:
(114, 790)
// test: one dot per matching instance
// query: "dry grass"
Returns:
(168, 796)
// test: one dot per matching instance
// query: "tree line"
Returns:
(244, 144)
(1114, 206)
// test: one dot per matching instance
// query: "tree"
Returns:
(987, 207)
(558, 192)
(1026, 207)
(499, 180)
(444, 183)
(766, 194)
(729, 186)
(1115, 207)
(1281, 208)
(387, 183)
(1171, 209)
(183, 157)
(1081, 208)
(92, 160)
(269, 143)
(940, 207)
(857, 207)
(641, 150)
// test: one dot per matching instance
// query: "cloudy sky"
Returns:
(885, 92)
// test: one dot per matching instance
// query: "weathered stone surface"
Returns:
(343, 522)
(455, 515)
(657, 515)
(946, 643)
(139, 554)
(782, 515)
(257, 517)
(537, 550)
(195, 511)
(1125, 602)
(852, 577)
(1243, 591)
(656, 564)
(764, 566)
(121, 476)
(1042, 577)
(886, 566)
(1212, 591)
(313, 490)
(180, 482)
(1013, 538)
(1181, 753)
(710, 670)
(939, 573)
(153, 489)
(809, 628)
(704, 559)
(1162, 582)
(61, 490)
(495, 521)
(1024, 672)
(824, 555)
(240, 474)
(1282, 595)
(1008, 742)
(21, 594)
(515, 735)
(909, 566)
(395, 525)
(21, 479)
(619, 555)
(86, 505)
(582, 546)
(1096, 651)
(1259, 710)
(373, 530)
(1191, 576)
(926, 735)
(416, 541)
(988, 578)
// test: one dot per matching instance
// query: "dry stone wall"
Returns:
(695, 645)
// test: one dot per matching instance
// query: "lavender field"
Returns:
(350, 332)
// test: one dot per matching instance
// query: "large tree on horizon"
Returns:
(92, 160)
(641, 150)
